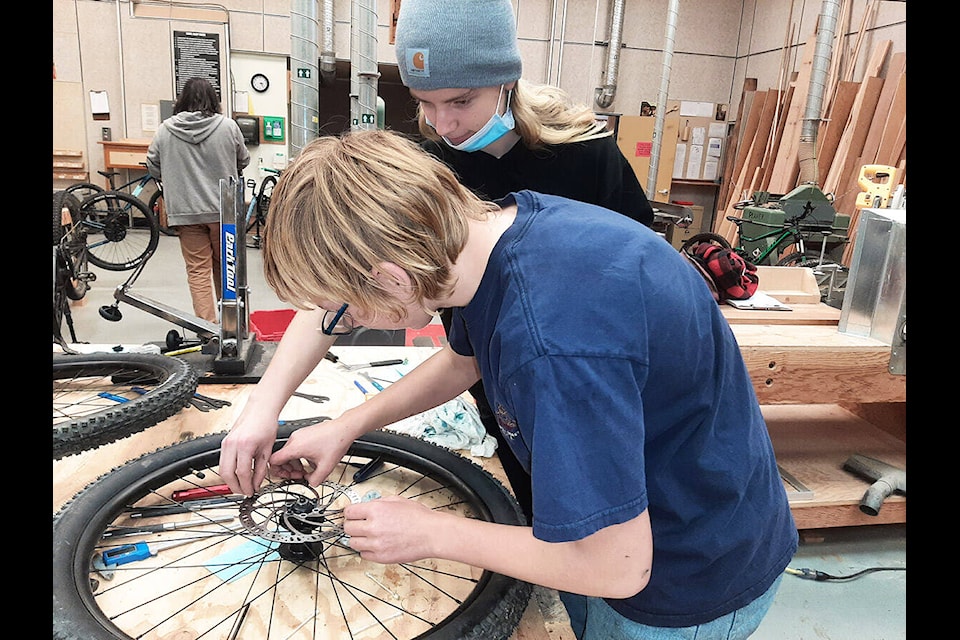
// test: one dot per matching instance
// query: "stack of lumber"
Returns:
(862, 123)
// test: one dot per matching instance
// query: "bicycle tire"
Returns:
(63, 199)
(121, 231)
(155, 205)
(706, 236)
(263, 199)
(60, 304)
(73, 255)
(83, 190)
(474, 605)
(94, 403)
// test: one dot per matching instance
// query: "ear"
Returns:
(392, 278)
(510, 86)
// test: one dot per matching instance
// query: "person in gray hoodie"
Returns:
(191, 152)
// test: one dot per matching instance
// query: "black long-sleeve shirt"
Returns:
(594, 171)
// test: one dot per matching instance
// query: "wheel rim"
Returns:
(287, 580)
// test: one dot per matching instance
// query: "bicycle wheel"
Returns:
(61, 305)
(281, 564)
(74, 275)
(831, 276)
(156, 206)
(263, 200)
(83, 190)
(121, 231)
(700, 238)
(101, 397)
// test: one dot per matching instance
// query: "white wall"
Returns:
(717, 44)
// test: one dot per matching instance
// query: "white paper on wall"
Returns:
(714, 146)
(679, 161)
(693, 163)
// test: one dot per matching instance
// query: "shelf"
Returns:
(812, 442)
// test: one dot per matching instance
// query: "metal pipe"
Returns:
(820, 69)
(328, 55)
(304, 78)
(563, 35)
(608, 91)
(673, 12)
(364, 71)
(553, 42)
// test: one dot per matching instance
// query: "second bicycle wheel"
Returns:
(121, 231)
(101, 397)
(275, 565)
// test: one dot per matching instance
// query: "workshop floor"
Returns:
(871, 607)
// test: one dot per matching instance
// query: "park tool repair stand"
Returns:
(233, 352)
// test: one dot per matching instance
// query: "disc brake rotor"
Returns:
(294, 512)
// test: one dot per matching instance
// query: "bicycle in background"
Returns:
(789, 244)
(259, 206)
(135, 188)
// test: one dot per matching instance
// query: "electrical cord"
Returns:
(820, 576)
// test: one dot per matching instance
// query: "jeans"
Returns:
(593, 619)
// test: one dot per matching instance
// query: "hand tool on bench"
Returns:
(142, 550)
(121, 532)
(310, 397)
(379, 363)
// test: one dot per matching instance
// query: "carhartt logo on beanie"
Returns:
(457, 44)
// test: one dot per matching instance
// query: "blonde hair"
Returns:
(544, 115)
(347, 204)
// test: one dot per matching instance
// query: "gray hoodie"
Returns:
(190, 153)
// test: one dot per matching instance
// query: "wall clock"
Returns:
(259, 82)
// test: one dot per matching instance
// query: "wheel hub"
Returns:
(292, 512)
(114, 230)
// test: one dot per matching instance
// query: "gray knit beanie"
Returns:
(457, 44)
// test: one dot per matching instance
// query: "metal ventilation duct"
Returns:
(304, 75)
(328, 55)
(364, 71)
(819, 72)
(669, 37)
(607, 92)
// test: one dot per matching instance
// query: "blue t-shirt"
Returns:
(620, 387)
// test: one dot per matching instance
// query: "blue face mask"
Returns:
(497, 126)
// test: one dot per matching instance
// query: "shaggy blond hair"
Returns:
(544, 115)
(348, 203)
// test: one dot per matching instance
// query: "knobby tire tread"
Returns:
(113, 201)
(493, 613)
(176, 383)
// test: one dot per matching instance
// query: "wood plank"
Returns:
(773, 145)
(851, 142)
(812, 442)
(830, 133)
(885, 103)
(802, 314)
(787, 165)
(888, 148)
(817, 364)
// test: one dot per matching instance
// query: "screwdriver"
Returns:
(139, 551)
(119, 532)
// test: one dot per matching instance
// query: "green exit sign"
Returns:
(303, 73)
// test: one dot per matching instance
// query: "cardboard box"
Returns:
(789, 285)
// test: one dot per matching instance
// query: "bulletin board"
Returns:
(701, 136)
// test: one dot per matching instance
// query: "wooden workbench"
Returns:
(825, 395)
(545, 617)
